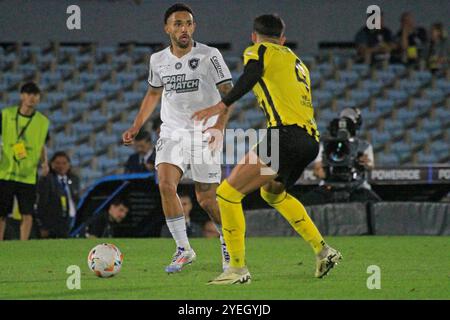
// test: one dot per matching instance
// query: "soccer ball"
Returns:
(105, 260)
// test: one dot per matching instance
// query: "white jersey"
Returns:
(190, 84)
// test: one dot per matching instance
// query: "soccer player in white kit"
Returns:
(188, 76)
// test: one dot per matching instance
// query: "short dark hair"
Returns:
(58, 154)
(30, 88)
(120, 200)
(177, 7)
(270, 25)
(143, 135)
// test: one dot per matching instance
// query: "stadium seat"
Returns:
(13, 98)
(94, 97)
(389, 159)
(434, 95)
(327, 115)
(406, 114)
(82, 59)
(359, 95)
(126, 78)
(385, 76)
(97, 118)
(426, 158)
(423, 76)
(440, 149)
(431, 126)
(11, 78)
(400, 148)
(104, 140)
(324, 68)
(101, 51)
(396, 68)
(110, 88)
(345, 103)
(348, 76)
(78, 107)
(81, 128)
(26, 69)
(315, 77)
(88, 78)
(380, 137)
(115, 107)
(444, 85)
(391, 125)
(418, 137)
(59, 118)
(421, 104)
(121, 127)
(396, 95)
(336, 87)
(384, 105)
(370, 116)
(72, 88)
(55, 97)
(373, 86)
(361, 68)
(133, 97)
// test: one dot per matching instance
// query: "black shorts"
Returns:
(296, 150)
(25, 194)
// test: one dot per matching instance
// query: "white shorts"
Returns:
(203, 163)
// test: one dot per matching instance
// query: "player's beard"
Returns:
(180, 44)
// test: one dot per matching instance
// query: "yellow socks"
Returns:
(294, 212)
(233, 222)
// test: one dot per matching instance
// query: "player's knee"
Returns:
(228, 192)
(167, 189)
(272, 198)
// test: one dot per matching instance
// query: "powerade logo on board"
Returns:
(179, 84)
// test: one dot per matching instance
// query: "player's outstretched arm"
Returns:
(224, 116)
(148, 105)
(216, 131)
(252, 73)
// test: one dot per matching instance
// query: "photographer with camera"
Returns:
(342, 163)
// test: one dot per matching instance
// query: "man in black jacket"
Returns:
(144, 158)
(57, 198)
(109, 223)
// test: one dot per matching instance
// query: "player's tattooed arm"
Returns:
(224, 89)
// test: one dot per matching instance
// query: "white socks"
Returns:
(219, 229)
(177, 227)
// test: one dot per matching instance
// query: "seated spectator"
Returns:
(438, 49)
(411, 41)
(374, 45)
(192, 228)
(58, 194)
(144, 158)
(107, 223)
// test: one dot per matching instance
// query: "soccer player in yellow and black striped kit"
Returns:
(281, 84)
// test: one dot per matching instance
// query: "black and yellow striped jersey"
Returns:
(284, 91)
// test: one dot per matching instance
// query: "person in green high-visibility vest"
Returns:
(24, 132)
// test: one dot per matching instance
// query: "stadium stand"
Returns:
(91, 94)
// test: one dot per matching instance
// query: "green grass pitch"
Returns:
(281, 268)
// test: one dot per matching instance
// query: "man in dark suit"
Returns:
(144, 158)
(58, 195)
